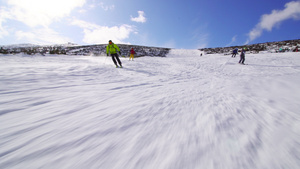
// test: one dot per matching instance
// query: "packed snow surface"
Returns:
(178, 112)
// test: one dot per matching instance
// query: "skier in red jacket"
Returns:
(132, 52)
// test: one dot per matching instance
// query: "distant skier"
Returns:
(112, 49)
(132, 52)
(242, 60)
(234, 52)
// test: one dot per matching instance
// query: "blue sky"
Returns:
(189, 24)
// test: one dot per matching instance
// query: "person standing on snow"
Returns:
(132, 52)
(234, 52)
(112, 49)
(242, 60)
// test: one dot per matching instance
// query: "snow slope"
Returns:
(181, 111)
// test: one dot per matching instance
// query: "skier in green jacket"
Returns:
(112, 49)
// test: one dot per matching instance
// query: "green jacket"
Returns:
(112, 49)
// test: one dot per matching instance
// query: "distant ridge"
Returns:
(100, 49)
(287, 45)
(22, 45)
(85, 50)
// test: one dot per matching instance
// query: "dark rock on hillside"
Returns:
(100, 50)
(96, 50)
(282, 46)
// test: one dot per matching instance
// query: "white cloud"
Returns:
(101, 34)
(233, 39)
(268, 21)
(42, 36)
(106, 7)
(200, 36)
(36, 13)
(141, 18)
(3, 31)
(41, 12)
(203, 40)
(4, 15)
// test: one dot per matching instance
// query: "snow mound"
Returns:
(184, 53)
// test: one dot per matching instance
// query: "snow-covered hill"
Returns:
(270, 47)
(174, 112)
(88, 50)
(100, 50)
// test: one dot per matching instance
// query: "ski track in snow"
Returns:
(182, 111)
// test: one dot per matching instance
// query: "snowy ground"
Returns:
(179, 112)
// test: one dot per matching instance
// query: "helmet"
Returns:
(109, 41)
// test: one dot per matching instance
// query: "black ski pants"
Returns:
(242, 60)
(116, 58)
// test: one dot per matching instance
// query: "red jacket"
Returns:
(132, 51)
